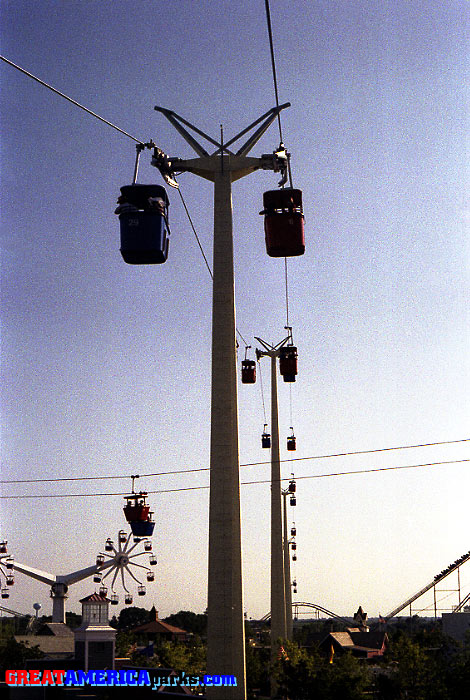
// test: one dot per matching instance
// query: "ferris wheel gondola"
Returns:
(6, 567)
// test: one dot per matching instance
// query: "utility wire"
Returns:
(247, 464)
(245, 483)
(77, 104)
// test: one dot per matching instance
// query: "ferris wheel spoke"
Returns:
(136, 544)
(132, 575)
(141, 566)
(114, 578)
(139, 554)
(109, 571)
(123, 580)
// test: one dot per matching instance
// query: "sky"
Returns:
(106, 367)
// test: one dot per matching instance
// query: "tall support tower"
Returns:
(287, 581)
(278, 584)
(225, 632)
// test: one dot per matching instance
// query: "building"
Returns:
(95, 639)
(364, 645)
(158, 631)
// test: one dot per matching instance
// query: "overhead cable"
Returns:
(247, 464)
(243, 483)
(77, 104)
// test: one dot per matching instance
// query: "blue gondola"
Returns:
(143, 217)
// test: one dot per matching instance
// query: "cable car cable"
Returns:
(273, 64)
(74, 102)
(248, 464)
(201, 248)
(262, 391)
(244, 483)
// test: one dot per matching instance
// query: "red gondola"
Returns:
(291, 443)
(288, 362)
(284, 222)
(138, 515)
(136, 508)
(248, 371)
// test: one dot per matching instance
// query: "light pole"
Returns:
(278, 586)
(225, 632)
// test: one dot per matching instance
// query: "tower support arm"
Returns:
(43, 576)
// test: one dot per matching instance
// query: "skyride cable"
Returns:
(74, 102)
(243, 483)
(248, 464)
(117, 128)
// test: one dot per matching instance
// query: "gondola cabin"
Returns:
(5, 593)
(293, 531)
(136, 508)
(128, 599)
(143, 217)
(143, 528)
(292, 487)
(265, 440)
(293, 500)
(283, 223)
(248, 371)
(288, 362)
(291, 443)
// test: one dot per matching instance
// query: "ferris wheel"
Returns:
(122, 562)
(6, 570)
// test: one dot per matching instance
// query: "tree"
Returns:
(13, 654)
(307, 674)
(189, 621)
(132, 617)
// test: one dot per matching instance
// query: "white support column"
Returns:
(278, 601)
(287, 582)
(225, 634)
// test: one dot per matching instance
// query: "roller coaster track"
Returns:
(440, 577)
(347, 621)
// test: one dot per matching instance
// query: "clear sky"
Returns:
(106, 367)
